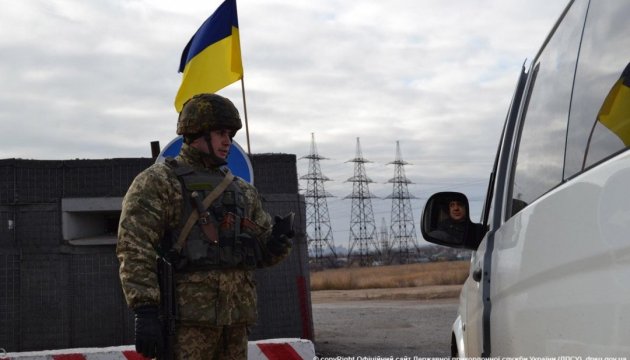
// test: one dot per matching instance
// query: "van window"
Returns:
(599, 124)
(540, 151)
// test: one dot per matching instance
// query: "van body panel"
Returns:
(553, 283)
(471, 299)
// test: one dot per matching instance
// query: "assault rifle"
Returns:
(168, 307)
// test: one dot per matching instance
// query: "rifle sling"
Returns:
(194, 216)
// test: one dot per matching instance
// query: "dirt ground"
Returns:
(407, 293)
(385, 322)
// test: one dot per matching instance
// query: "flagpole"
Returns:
(249, 152)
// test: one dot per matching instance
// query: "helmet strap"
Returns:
(210, 157)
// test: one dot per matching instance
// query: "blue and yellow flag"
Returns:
(615, 111)
(212, 58)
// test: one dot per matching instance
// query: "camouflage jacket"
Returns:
(153, 205)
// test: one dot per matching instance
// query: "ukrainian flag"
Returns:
(615, 111)
(212, 58)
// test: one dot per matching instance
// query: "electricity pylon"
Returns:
(362, 226)
(318, 229)
(403, 230)
(384, 242)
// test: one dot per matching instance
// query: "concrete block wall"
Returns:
(56, 295)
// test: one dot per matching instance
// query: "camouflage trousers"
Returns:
(211, 343)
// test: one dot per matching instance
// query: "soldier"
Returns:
(213, 245)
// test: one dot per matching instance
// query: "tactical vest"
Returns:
(218, 240)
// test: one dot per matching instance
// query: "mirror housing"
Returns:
(446, 221)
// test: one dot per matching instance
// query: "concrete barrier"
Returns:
(281, 349)
(272, 349)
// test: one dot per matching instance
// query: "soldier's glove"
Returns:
(149, 340)
(281, 234)
(283, 226)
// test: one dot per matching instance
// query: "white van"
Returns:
(550, 270)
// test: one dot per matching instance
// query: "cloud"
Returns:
(98, 79)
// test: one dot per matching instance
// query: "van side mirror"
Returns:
(446, 221)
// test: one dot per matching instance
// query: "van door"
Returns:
(526, 283)
(472, 298)
(561, 267)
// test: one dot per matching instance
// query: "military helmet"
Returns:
(205, 112)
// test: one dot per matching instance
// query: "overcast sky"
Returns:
(97, 79)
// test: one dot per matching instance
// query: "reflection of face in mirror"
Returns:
(457, 211)
(452, 215)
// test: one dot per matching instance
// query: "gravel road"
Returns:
(383, 327)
